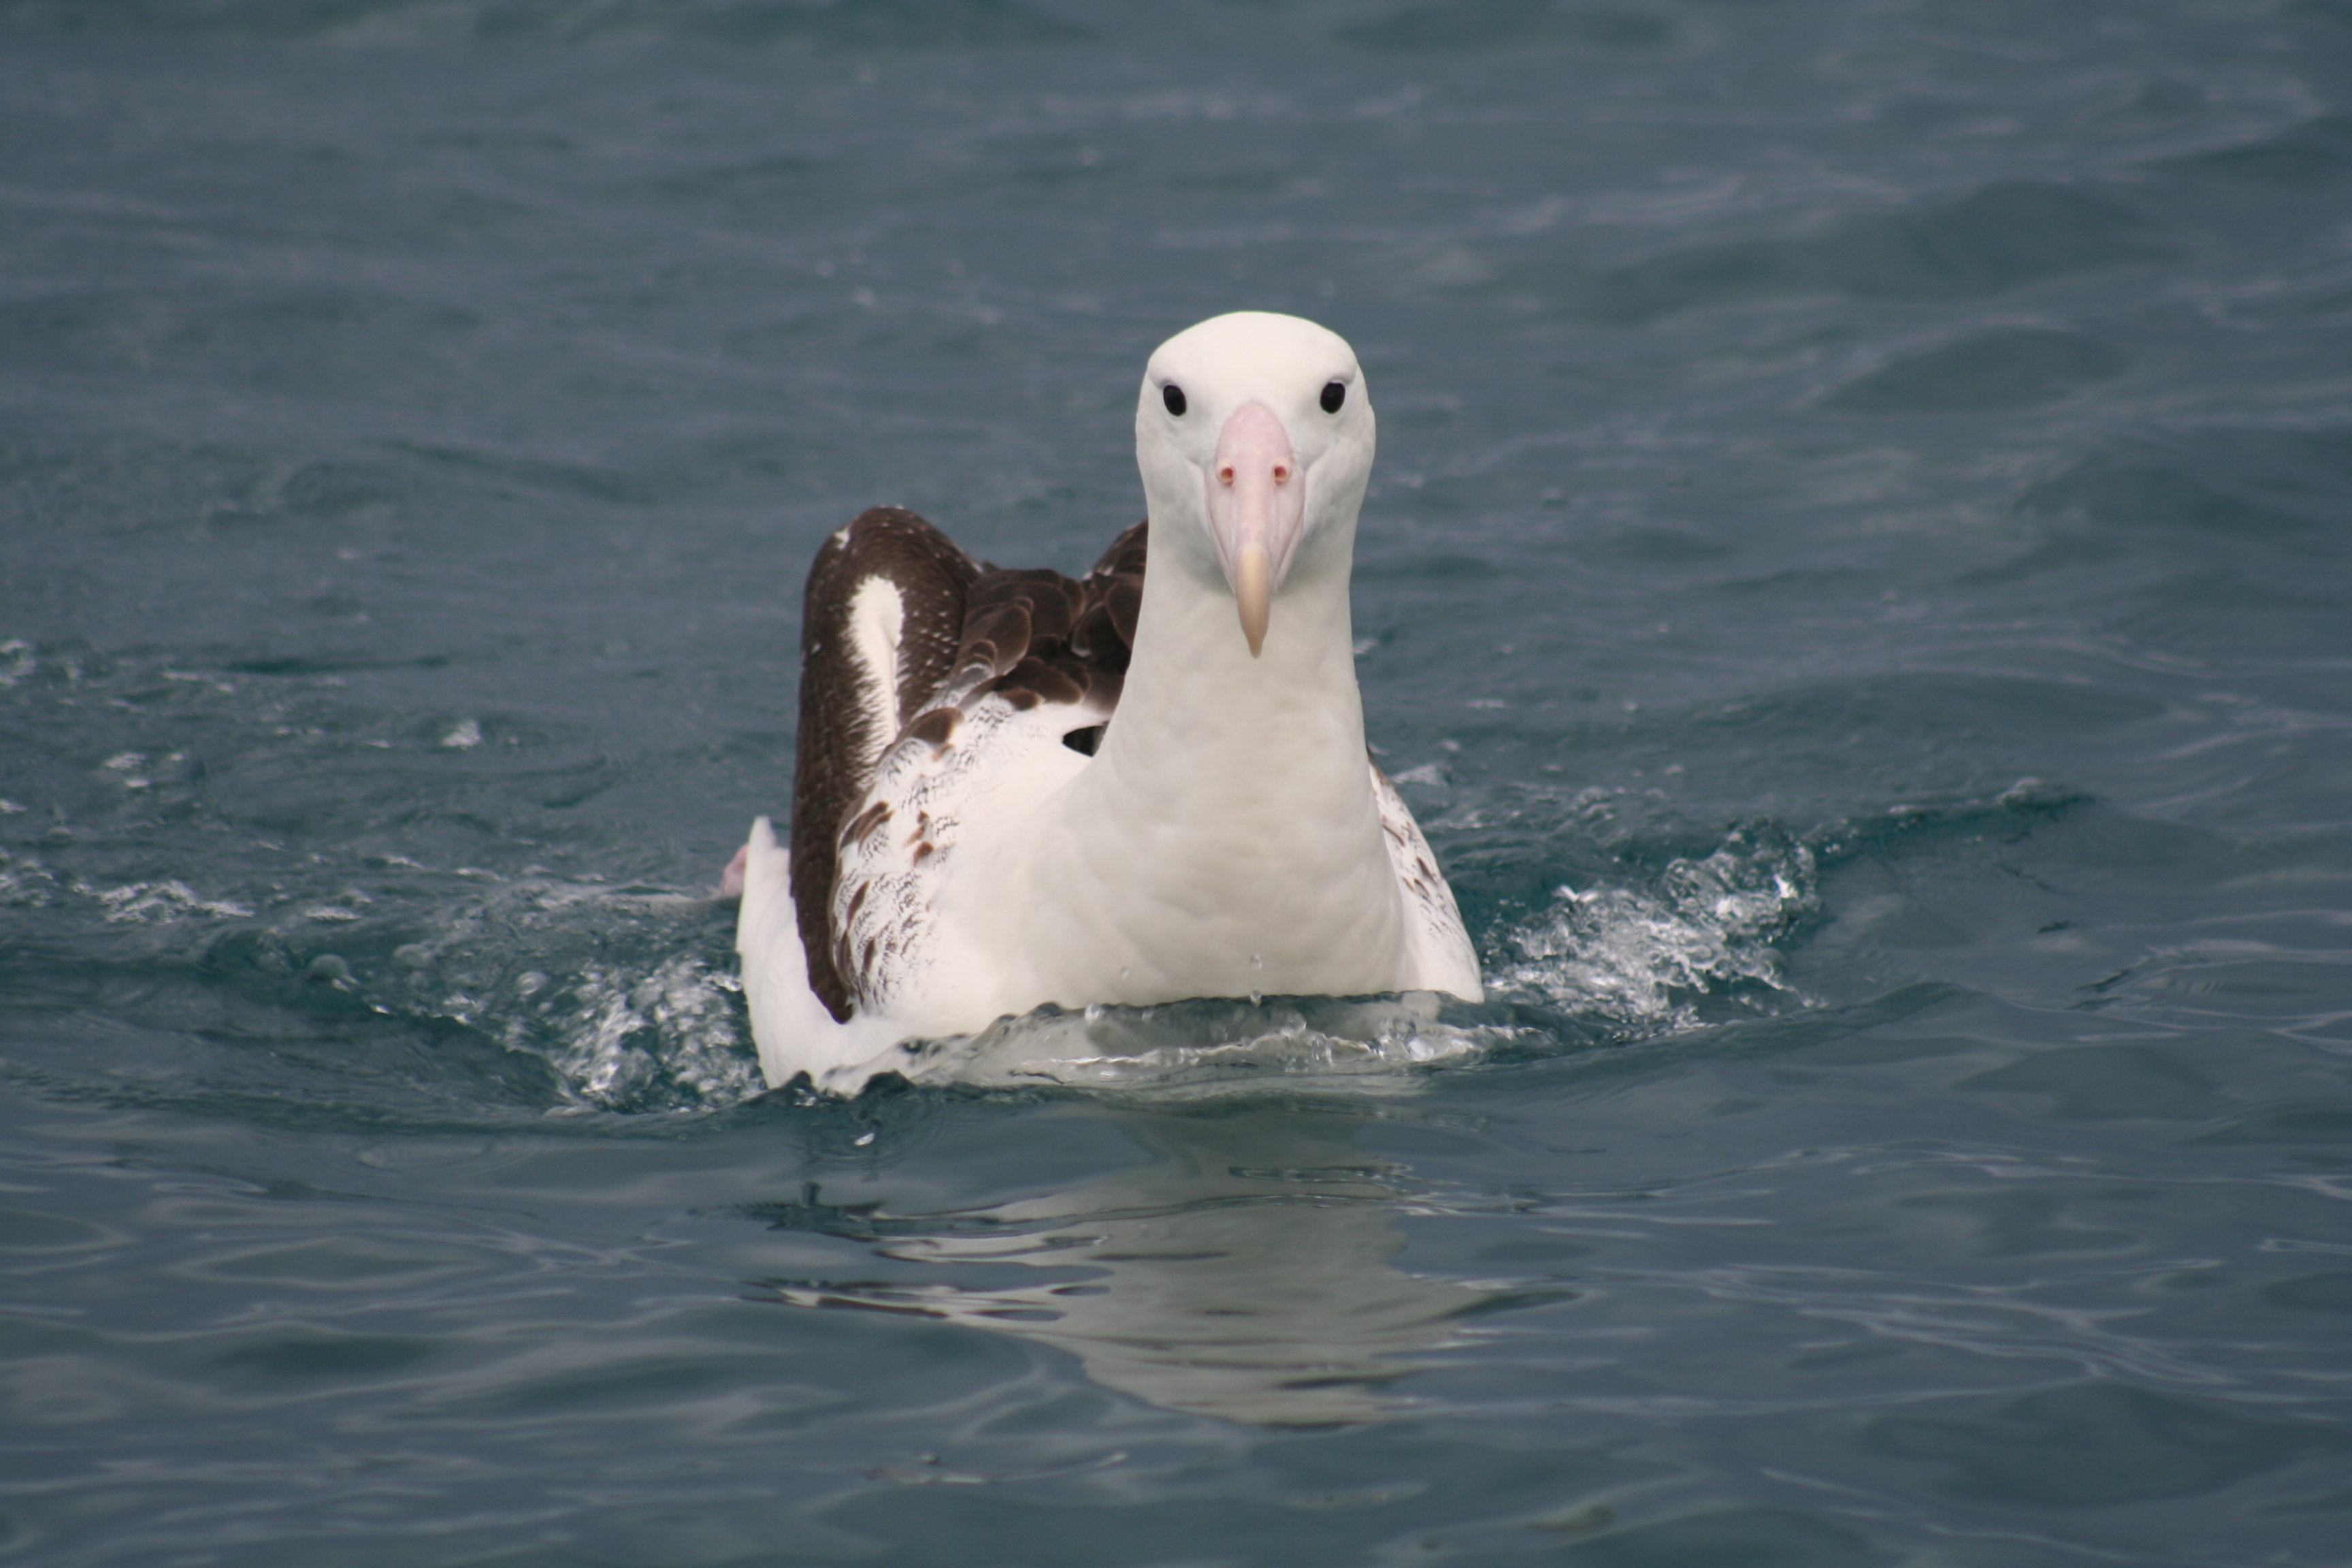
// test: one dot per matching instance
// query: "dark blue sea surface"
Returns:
(1857, 586)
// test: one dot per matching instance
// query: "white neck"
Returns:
(1201, 701)
(1225, 839)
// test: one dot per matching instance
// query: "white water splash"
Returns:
(1641, 956)
(639, 1038)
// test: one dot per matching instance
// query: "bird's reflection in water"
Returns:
(1243, 1271)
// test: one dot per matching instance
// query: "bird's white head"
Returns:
(1255, 436)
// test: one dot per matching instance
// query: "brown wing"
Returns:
(848, 714)
(965, 631)
(1035, 635)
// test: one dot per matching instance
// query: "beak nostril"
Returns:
(1225, 474)
(1280, 473)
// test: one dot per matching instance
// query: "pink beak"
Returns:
(1257, 503)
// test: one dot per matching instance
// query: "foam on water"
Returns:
(1646, 957)
(169, 900)
(674, 1033)
(26, 882)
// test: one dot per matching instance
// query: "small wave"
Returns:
(160, 902)
(1648, 959)
(25, 882)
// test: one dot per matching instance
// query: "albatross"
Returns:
(1015, 788)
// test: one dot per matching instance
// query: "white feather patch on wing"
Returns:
(1435, 938)
(877, 617)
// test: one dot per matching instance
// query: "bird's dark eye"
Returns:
(1334, 394)
(1173, 396)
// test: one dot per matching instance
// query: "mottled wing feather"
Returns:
(850, 711)
(1039, 657)
(1441, 950)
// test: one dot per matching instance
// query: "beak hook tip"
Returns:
(1253, 580)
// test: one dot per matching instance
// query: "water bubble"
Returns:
(331, 969)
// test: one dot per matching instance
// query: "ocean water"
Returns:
(1857, 586)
